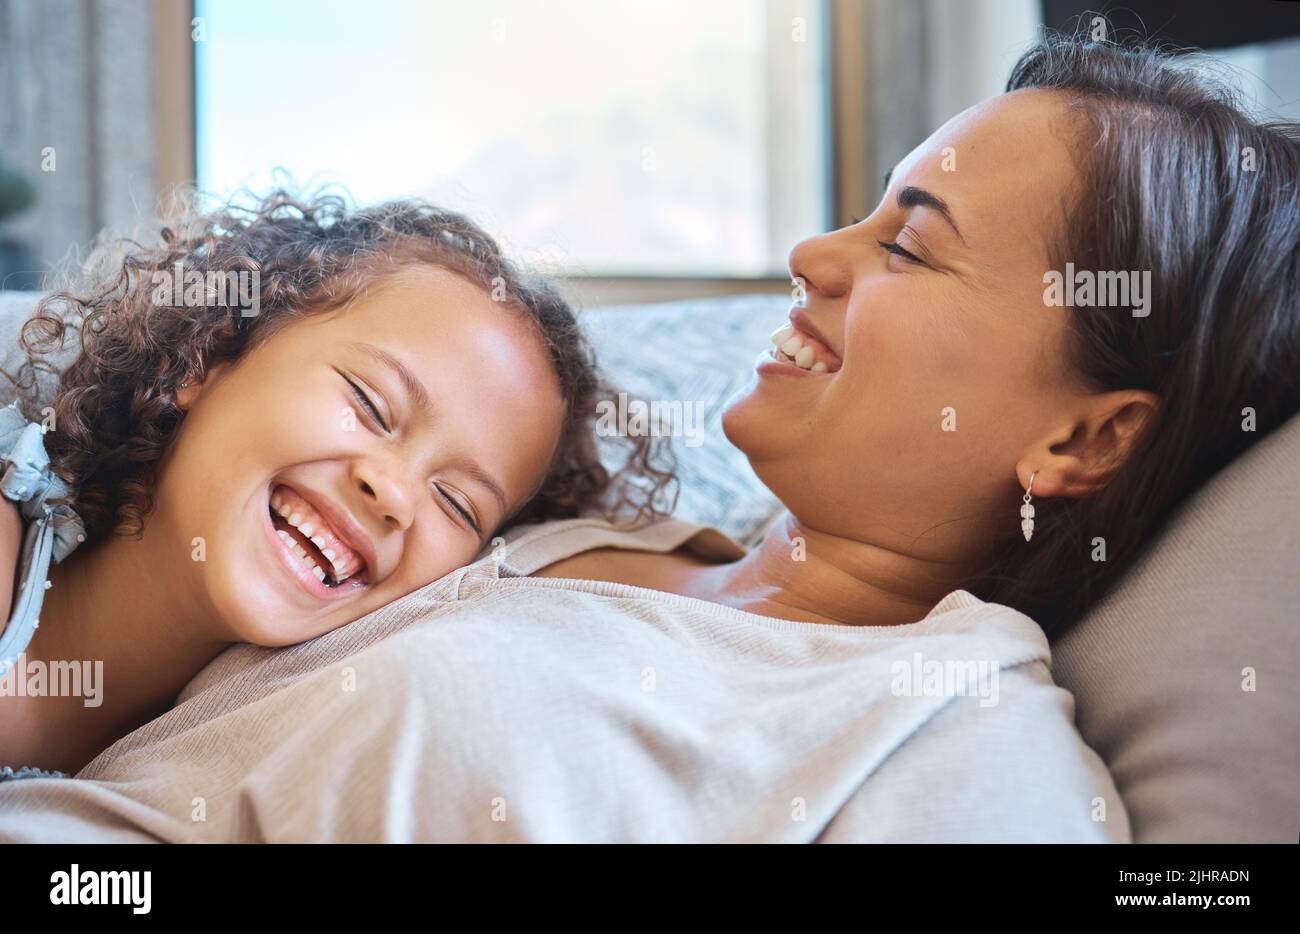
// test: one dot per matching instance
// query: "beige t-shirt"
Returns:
(493, 706)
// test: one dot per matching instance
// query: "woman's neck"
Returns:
(803, 574)
(113, 615)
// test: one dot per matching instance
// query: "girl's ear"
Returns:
(186, 393)
(191, 389)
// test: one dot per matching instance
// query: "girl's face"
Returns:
(466, 416)
(947, 381)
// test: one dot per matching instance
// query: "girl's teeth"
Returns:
(819, 367)
(782, 334)
(308, 559)
(793, 345)
(298, 521)
(804, 358)
(333, 560)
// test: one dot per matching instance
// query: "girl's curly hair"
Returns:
(114, 406)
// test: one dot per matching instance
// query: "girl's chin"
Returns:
(275, 630)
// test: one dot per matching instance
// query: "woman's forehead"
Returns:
(1001, 166)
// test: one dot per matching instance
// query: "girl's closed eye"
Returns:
(464, 513)
(366, 403)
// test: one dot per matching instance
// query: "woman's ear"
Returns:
(1080, 458)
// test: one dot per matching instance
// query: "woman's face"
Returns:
(951, 372)
(415, 490)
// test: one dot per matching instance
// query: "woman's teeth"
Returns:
(790, 346)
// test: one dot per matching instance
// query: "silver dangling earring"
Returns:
(1027, 511)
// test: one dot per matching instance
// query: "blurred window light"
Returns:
(673, 138)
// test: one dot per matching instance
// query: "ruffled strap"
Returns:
(29, 481)
(9, 774)
(53, 531)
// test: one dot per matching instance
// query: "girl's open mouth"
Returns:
(306, 551)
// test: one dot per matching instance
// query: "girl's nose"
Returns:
(386, 492)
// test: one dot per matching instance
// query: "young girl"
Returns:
(204, 476)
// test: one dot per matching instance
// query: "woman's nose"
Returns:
(823, 265)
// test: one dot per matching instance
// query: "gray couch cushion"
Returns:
(1187, 676)
(697, 351)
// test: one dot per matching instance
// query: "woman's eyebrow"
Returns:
(912, 197)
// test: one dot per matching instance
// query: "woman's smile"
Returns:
(796, 349)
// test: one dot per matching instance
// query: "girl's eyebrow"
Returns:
(410, 382)
(417, 391)
(475, 472)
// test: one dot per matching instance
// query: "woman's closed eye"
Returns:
(892, 247)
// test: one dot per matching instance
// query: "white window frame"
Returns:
(851, 111)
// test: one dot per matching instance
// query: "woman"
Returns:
(851, 678)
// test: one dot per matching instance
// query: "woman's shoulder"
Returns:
(653, 570)
(559, 547)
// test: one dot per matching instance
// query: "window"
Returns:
(669, 138)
